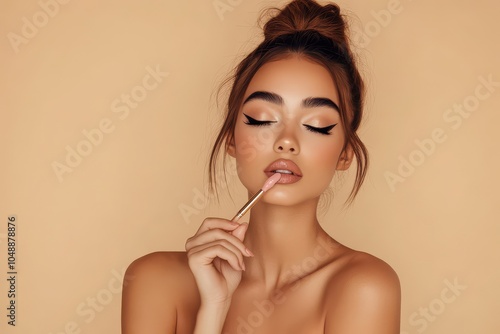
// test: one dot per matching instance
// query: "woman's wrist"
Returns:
(211, 317)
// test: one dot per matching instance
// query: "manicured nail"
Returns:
(248, 252)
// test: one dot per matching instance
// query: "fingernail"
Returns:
(248, 252)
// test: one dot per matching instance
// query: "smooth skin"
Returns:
(281, 272)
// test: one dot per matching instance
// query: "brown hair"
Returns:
(319, 33)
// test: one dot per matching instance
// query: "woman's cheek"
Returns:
(325, 163)
(251, 143)
(248, 158)
(245, 152)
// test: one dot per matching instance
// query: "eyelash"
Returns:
(254, 122)
(324, 131)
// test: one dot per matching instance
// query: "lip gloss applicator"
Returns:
(270, 182)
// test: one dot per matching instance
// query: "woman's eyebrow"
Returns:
(266, 96)
(310, 102)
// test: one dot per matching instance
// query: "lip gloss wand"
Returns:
(270, 182)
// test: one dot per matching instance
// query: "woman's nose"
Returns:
(286, 143)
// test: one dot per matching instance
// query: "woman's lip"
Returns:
(284, 164)
(285, 178)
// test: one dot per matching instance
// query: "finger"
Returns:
(205, 255)
(213, 223)
(224, 243)
(240, 231)
(214, 235)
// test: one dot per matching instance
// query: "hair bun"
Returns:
(300, 15)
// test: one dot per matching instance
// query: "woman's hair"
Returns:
(318, 33)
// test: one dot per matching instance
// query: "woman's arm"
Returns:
(215, 256)
(202, 280)
(365, 298)
(210, 320)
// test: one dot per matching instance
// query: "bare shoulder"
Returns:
(368, 271)
(158, 265)
(366, 288)
(161, 273)
(155, 285)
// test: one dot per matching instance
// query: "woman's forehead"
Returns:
(294, 78)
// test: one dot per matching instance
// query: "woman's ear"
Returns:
(345, 158)
(230, 147)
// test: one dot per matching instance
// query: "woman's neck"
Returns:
(281, 237)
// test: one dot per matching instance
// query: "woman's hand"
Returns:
(215, 254)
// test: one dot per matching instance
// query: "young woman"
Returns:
(294, 109)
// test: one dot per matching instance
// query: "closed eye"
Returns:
(324, 131)
(253, 121)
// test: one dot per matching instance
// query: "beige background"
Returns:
(77, 233)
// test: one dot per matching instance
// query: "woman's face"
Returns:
(290, 113)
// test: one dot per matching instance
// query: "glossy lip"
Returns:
(288, 165)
